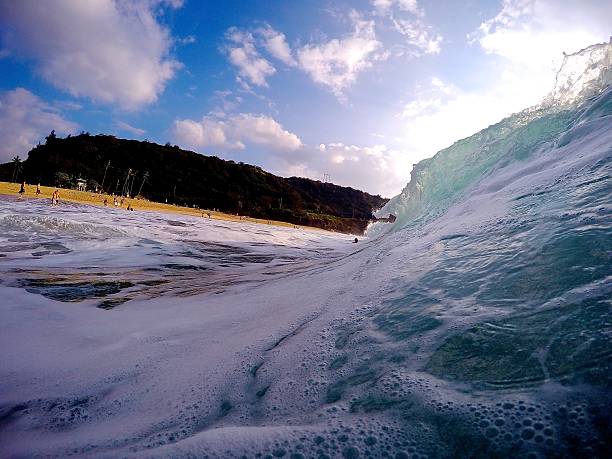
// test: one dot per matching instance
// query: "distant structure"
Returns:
(326, 178)
(81, 184)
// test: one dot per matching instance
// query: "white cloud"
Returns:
(234, 132)
(376, 169)
(442, 113)
(188, 40)
(386, 6)
(122, 125)
(208, 132)
(419, 35)
(25, 120)
(252, 68)
(337, 63)
(406, 17)
(263, 130)
(276, 44)
(112, 52)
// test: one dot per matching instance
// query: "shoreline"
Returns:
(139, 205)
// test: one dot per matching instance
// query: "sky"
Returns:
(355, 92)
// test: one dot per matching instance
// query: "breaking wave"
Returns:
(477, 325)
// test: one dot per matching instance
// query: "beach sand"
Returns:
(91, 198)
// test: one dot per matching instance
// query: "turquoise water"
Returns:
(478, 325)
(512, 317)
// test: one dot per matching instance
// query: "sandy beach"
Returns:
(96, 199)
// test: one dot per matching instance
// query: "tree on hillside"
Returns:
(145, 176)
(51, 137)
(170, 174)
(17, 168)
(63, 180)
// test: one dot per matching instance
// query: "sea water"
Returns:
(478, 325)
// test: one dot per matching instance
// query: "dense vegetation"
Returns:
(170, 174)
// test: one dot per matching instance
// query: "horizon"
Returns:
(359, 91)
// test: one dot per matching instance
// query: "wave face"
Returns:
(479, 325)
(438, 182)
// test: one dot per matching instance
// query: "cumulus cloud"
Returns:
(234, 132)
(334, 64)
(24, 120)
(276, 44)
(242, 53)
(337, 62)
(376, 169)
(263, 130)
(109, 51)
(208, 132)
(533, 34)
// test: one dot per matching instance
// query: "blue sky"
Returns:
(359, 90)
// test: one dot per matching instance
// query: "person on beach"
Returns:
(22, 190)
(38, 189)
(105, 202)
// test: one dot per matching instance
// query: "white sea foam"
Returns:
(478, 326)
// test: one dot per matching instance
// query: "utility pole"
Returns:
(105, 170)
